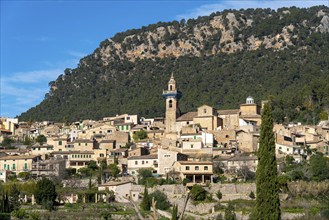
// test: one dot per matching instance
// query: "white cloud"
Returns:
(44, 39)
(77, 54)
(207, 9)
(32, 76)
(23, 90)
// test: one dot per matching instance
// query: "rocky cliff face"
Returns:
(217, 60)
(226, 32)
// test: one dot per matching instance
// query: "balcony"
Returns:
(173, 93)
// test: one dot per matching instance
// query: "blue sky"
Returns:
(39, 39)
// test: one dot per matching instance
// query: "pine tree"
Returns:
(267, 200)
(145, 205)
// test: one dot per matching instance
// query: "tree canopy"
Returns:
(45, 193)
(294, 77)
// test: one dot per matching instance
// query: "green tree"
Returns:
(92, 165)
(7, 142)
(114, 170)
(319, 166)
(174, 214)
(24, 175)
(230, 212)
(145, 204)
(252, 195)
(198, 193)
(161, 200)
(219, 195)
(139, 135)
(267, 200)
(85, 171)
(41, 139)
(14, 197)
(289, 160)
(143, 175)
(45, 193)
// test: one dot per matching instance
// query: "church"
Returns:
(208, 120)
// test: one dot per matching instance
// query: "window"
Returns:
(227, 136)
(85, 144)
(206, 168)
(187, 168)
(147, 162)
(167, 155)
(60, 143)
(25, 166)
(79, 144)
(196, 167)
(170, 103)
(127, 128)
(191, 145)
(142, 161)
(128, 118)
(204, 110)
(136, 162)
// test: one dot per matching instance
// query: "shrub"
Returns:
(252, 195)
(161, 200)
(230, 212)
(219, 195)
(198, 193)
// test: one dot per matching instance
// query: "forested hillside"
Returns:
(218, 60)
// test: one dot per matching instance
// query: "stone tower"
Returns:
(172, 96)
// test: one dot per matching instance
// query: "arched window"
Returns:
(170, 103)
(170, 87)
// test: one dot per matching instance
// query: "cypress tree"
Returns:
(174, 212)
(146, 205)
(267, 200)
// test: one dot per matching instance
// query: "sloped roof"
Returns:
(228, 112)
(187, 116)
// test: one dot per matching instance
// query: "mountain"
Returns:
(218, 60)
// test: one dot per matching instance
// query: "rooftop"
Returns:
(143, 157)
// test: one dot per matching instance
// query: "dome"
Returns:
(250, 100)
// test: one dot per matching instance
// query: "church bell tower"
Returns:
(172, 96)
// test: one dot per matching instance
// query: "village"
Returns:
(206, 147)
